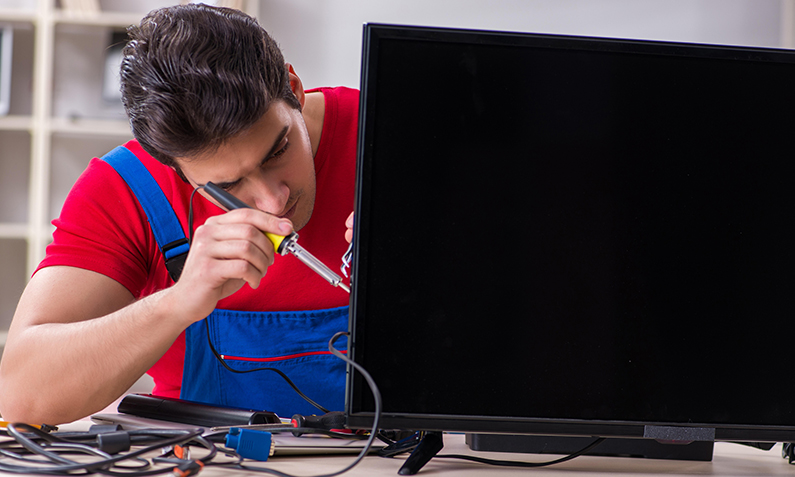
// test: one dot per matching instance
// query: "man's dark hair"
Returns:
(194, 76)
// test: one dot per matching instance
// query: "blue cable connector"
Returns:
(250, 443)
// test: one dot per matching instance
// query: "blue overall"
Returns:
(294, 342)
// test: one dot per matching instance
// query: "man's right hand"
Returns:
(227, 251)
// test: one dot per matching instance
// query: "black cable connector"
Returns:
(113, 442)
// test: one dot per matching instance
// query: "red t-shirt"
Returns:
(103, 228)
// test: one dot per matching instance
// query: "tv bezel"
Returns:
(670, 431)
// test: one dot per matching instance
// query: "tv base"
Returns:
(616, 447)
(429, 446)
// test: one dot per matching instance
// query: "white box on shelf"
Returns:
(6, 51)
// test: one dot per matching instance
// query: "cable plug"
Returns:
(251, 443)
(330, 421)
(114, 442)
(187, 469)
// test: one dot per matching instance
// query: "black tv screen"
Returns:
(581, 236)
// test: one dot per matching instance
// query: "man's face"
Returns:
(269, 167)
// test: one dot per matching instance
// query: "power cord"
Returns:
(209, 340)
(244, 371)
(511, 463)
(37, 452)
(373, 432)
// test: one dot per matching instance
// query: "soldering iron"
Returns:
(282, 244)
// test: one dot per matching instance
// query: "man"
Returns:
(210, 99)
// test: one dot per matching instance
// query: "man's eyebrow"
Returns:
(276, 143)
(273, 149)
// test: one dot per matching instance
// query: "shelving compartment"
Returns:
(14, 182)
(79, 74)
(12, 281)
(20, 80)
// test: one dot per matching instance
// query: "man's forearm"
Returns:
(58, 372)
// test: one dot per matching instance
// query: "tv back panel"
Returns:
(562, 235)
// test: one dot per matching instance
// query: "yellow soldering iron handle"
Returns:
(280, 242)
(230, 202)
(276, 240)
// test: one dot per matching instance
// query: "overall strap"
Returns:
(162, 218)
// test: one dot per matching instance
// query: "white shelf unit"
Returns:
(58, 121)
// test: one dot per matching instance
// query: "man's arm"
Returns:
(78, 340)
(76, 343)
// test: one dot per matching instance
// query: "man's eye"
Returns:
(280, 151)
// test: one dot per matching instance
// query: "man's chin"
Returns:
(301, 219)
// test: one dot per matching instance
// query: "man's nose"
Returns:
(270, 195)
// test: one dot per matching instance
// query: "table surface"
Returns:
(728, 460)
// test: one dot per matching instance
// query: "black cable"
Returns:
(213, 451)
(66, 465)
(243, 371)
(510, 463)
(374, 431)
(190, 216)
(212, 347)
(50, 450)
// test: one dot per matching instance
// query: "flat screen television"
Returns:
(561, 235)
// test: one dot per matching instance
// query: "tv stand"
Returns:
(429, 446)
(639, 448)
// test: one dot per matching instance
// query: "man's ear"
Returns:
(180, 174)
(296, 85)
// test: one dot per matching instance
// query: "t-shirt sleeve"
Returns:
(102, 228)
